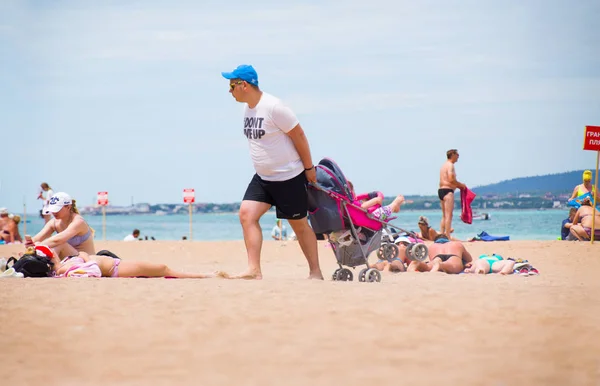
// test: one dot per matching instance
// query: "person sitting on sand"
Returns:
(70, 227)
(565, 229)
(491, 264)
(448, 256)
(583, 221)
(427, 232)
(10, 231)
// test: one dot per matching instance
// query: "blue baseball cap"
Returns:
(244, 72)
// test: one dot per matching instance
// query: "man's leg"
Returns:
(443, 220)
(308, 244)
(448, 207)
(250, 214)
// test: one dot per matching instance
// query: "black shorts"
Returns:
(289, 197)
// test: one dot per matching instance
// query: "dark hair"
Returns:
(136, 232)
(451, 152)
(440, 236)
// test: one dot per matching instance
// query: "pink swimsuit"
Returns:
(81, 268)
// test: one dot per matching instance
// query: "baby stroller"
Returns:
(352, 232)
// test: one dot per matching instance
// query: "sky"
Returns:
(127, 96)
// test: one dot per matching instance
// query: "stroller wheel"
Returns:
(418, 252)
(344, 274)
(362, 275)
(372, 275)
(390, 251)
(334, 276)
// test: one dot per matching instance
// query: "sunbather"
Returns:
(84, 264)
(444, 256)
(491, 264)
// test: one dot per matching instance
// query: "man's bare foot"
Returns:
(248, 275)
(315, 275)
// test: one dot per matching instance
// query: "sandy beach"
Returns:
(412, 328)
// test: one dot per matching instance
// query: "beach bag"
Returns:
(31, 265)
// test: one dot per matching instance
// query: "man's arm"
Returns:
(301, 144)
(453, 180)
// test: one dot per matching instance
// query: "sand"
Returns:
(412, 328)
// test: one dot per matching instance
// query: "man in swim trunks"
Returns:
(444, 256)
(448, 184)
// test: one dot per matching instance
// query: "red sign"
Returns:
(591, 141)
(103, 198)
(189, 196)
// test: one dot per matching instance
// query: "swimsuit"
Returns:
(115, 268)
(80, 268)
(491, 260)
(444, 256)
(580, 192)
(443, 192)
(589, 232)
(77, 240)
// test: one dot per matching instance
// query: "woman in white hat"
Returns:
(70, 227)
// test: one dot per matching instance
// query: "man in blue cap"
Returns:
(283, 164)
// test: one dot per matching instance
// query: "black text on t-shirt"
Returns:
(253, 127)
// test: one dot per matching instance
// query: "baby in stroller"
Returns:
(373, 203)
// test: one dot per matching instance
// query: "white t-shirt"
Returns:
(272, 151)
(48, 194)
(130, 238)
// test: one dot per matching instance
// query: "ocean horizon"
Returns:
(517, 224)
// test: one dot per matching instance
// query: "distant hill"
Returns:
(555, 183)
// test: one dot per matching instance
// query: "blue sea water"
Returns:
(518, 224)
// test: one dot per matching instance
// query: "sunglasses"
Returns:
(232, 85)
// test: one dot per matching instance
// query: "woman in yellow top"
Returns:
(585, 188)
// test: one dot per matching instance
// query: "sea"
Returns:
(517, 224)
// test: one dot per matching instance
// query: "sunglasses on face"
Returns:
(232, 85)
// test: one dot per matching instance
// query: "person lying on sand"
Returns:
(399, 263)
(448, 256)
(84, 264)
(491, 264)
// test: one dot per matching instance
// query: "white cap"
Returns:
(3, 211)
(402, 239)
(57, 202)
